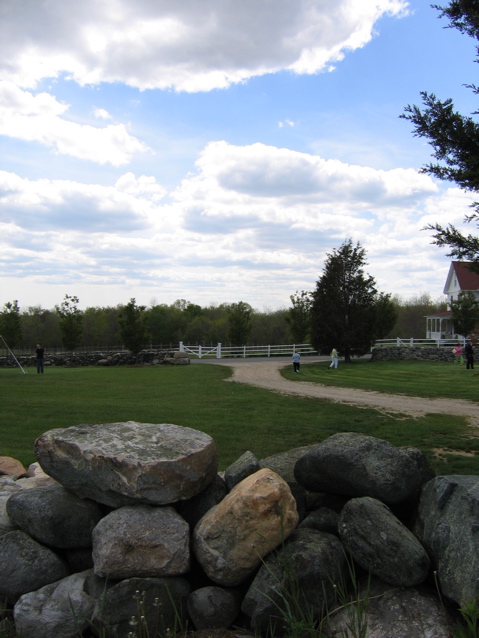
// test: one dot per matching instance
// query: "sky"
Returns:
(218, 151)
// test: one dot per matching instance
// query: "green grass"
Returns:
(416, 378)
(237, 416)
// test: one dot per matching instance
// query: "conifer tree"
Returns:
(347, 312)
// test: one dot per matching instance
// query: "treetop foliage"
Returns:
(454, 138)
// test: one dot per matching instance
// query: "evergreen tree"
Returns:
(465, 313)
(71, 322)
(455, 140)
(133, 332)
(347, 311)
(10, 323)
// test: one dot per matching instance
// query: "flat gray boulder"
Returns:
(54, 516)
(448, 526)
(380, 543)
(129, 463)
(141, 541)
(358, 465)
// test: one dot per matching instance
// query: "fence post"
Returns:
(199, 352)
(269, 351)
(398, 342)
(218, 351)
(411, 342)
(244, 352)
(181, 347)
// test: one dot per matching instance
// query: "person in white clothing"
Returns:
(296, 360)
(334, 358)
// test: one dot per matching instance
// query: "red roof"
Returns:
(467, 279)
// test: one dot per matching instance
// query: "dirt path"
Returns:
(265, 374)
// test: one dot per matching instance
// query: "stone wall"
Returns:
(136, 522)
(417, 353)
(123, 358)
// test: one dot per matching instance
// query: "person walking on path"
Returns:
(334, 358)
(296, 361)
(458, 358)
(40, 358)
(469, 351)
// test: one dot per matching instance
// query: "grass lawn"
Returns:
(237, 416)
(416, 378)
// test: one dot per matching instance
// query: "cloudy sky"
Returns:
(217, 150)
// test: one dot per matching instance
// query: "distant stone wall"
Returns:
(145, 357)
(415, 353)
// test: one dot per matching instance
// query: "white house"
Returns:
(459, 279)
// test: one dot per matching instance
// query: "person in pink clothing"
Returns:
(458, 357)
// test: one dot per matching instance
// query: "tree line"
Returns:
(344, 311)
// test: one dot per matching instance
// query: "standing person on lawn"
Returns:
(469, 352)
(296, 361)
(334, 358)
(457, 350)
(40, 358)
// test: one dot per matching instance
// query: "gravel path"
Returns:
(265, 374)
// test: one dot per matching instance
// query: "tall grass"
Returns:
(237, 416)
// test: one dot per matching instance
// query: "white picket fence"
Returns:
(223, 352)
(410, 343)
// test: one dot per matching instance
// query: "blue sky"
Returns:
(218, 151)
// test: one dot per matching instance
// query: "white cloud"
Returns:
(224, 229)
(188, 45)
(39, 118)
(102, 114)
(51, 205)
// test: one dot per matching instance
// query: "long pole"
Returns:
(16, 360)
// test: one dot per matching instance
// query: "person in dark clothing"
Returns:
(469, 352)
(40, 358)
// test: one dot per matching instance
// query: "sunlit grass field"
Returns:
(237, 416)
(416, 378)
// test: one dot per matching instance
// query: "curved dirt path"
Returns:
(266, 374)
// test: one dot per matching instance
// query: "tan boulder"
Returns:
(255, 517)
(11, 467)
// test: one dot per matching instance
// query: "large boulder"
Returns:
(63, 608)
(358, 465)
(448, 526)
(25, 565)
(380, 543)
(129, 463)
(141, 541)
(54, 516)
(256, 516)
(302, 575)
